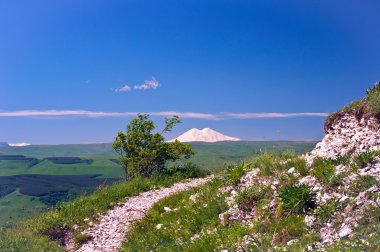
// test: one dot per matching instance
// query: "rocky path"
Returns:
(110, 232)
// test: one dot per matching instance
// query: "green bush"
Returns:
(142, 152)
(235, 172)
(298, 199)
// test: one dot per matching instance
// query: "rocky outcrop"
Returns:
(348, 136)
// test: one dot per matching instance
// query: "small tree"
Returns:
(142, 152)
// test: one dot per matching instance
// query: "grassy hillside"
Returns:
(263, 206)
(47, 230)
(100, 160)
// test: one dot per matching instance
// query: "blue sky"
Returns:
(219, 64)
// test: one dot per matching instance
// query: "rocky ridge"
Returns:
(348, 136)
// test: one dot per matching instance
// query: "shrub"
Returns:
(297, 198)
(143, 152)
(188, 170)
(235, 172)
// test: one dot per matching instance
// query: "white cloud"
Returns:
(186, 115)
(86, 113)
(124, 88)
(270, 115)
(148, 84)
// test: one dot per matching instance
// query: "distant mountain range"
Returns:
(204, 135)
(4, 144)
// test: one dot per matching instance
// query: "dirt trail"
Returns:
(110, 232)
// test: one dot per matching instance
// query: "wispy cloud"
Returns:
(148, 84)
(205, 116)
(124, 88)
(228, 115)
(86, 113)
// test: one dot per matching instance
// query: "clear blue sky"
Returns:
(225, 63)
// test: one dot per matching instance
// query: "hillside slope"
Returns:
(327, 200)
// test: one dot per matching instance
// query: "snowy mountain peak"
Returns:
(204, 135)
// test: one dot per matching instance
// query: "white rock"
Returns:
(291, 170)
(167, 209)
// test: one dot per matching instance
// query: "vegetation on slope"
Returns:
(262, 206)
(367, 107)
(78, 214)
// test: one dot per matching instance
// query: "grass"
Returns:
(362, 183)
(362, 160)
(196, 226)
(21, 240)
(270, 163)
(75, 212)
(288, 228)
(324, 170)
(366, 236)
(16, 206)
(193, 226)
(325, 212)
(297, 199)
(248, 198)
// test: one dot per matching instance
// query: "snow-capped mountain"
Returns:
(204, 135)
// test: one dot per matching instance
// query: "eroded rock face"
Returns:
(348, 136)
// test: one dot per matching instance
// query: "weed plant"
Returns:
(298, 199)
